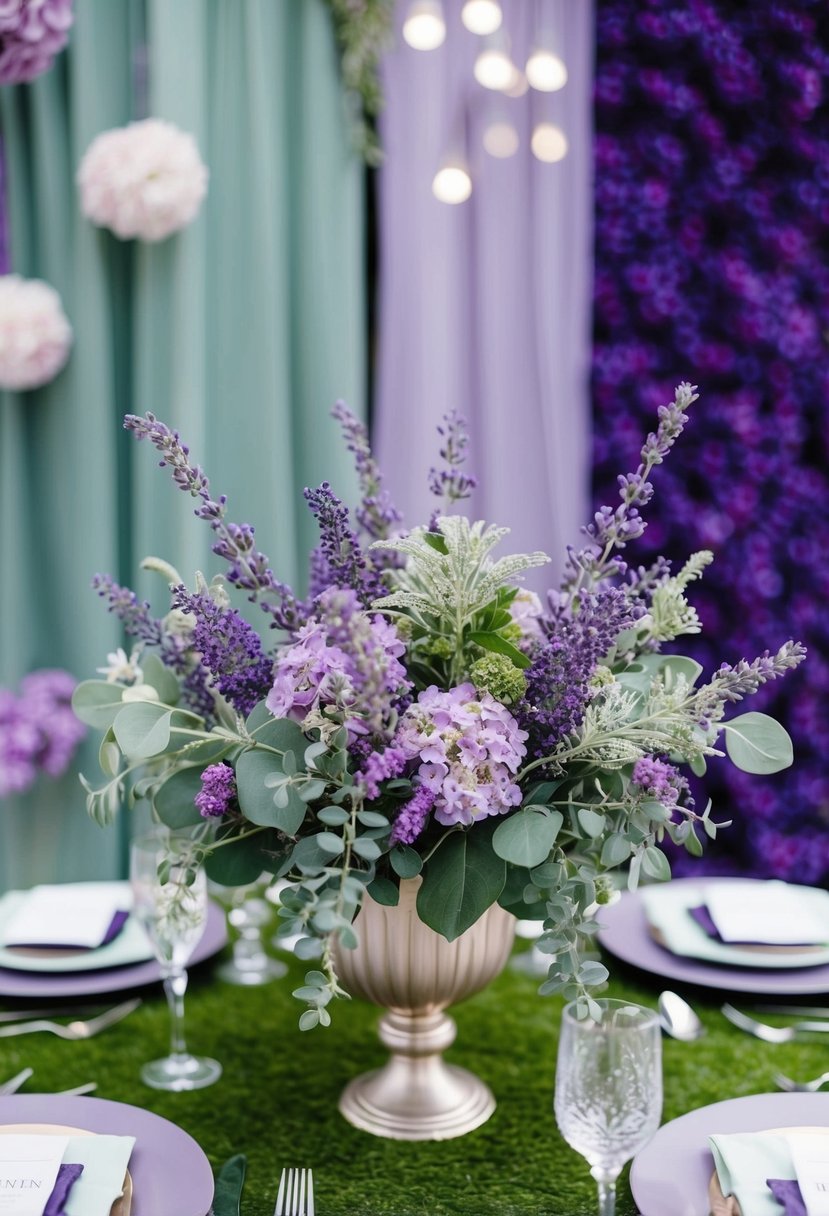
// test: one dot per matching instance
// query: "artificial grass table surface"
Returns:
(277, 1099)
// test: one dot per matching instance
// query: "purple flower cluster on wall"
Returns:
(712, 205)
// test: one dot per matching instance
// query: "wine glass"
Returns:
(248, 912)
(609, 1087)
(170, 902)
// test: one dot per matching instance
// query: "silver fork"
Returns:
(800, 1087)
(772, 1034)
(296, 1194)
(74, 1030)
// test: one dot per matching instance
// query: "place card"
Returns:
(810, 1155)
(65, 915)
(771, 913)
(28, 1168)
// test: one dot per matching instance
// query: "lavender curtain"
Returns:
(484, 307)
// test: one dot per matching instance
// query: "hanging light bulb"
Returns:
(452, 183)
(424, 27)
(519, 84)
(549, 143)
(481, 16)
(545, 70)
(494, 69)
(501, 139)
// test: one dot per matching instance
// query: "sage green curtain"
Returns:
(241, 332)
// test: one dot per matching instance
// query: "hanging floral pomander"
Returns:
(145, 180)
(32, 32)
(35, 336)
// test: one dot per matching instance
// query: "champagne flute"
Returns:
(609, 1088)
(170, 902)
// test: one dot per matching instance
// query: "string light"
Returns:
(494, 69)
(481, 16)
(501, 139)
(452, 183)
(546, 71)
(549, 143)
(424, 27)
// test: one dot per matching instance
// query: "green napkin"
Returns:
(744, 1161)
(229, 1183)
(105, 1160)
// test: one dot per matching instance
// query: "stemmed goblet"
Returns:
(608, 1100)
(170, 901)
(248, 912)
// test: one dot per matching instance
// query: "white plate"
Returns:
(130, 946)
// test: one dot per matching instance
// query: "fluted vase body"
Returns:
(415, 974)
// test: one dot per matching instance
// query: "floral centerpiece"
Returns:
(421, 715)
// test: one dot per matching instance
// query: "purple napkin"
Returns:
(705, 921)
(68, 1175)
(787, 1192)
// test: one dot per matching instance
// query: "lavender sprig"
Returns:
(451, 483)
(249, 569)
(339, 559)
(133, 614)
(731, 683)
(376, 514)
(611, 529)
(230, 650)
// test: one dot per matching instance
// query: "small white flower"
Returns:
(120, 669)
(144, 180)
(35, 336)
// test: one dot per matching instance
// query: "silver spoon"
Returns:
(678, 1019)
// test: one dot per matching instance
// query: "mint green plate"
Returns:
(130, 946)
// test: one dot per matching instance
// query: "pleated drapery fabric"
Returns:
(241, 332)
(485, 306)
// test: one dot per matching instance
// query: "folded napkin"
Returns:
(706, 922)
(84, 915)
(770, 913)
(105, 1160)
(68, 1175)
(774, 1174)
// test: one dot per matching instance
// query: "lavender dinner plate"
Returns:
(35, 985)
(625, 934)
(170, 1174)
(672, 1172)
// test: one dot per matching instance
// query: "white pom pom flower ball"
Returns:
(145, 180)
(35, 336)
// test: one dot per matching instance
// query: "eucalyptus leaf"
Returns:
(405, 861)
(241, 860)
(333, 816)
(96, 702)
(142, 729)
(109, 755)
(159, 677)
(526, 837)
(757, 743)
(257, 800)
(656, 864)
(366, 848)
(591, 823)
(383, 891)
(173, 800)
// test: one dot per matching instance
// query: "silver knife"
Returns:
(809, 1011)
(22, 1014)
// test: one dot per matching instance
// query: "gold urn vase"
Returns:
(406, 968)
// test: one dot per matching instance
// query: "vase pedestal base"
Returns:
(416, 1095)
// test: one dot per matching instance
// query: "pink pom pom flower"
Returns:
(35, 336)
(145, 180)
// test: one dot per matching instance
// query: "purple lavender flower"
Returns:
(343, 661)
(32, 33)
(229, 648)
(376, 514)
(412, 816)
(469, 748)
(558, 679)
(217, 795)
(451, 483)
(659, 780)
(248, 568)
(39, 733)
(133, 614)
(380, 766)
(339, 559)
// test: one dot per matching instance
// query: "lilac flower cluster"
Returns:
(248, 568)
(712, 203)
(380, 766)
(343, 661)
(39, 733)
(451, 483)
(217, 795)
(659, 780)
(32, 33)
(229, 649)
(339, 559)
(558, 679)
(377, 515)
(469, 749)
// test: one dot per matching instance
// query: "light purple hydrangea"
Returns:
(344, 660)
(38, 730)
(659, 779)
(469, 748)
(32, 32)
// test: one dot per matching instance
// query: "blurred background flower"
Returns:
(39, 733)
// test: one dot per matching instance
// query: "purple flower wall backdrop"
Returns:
(712, 207)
